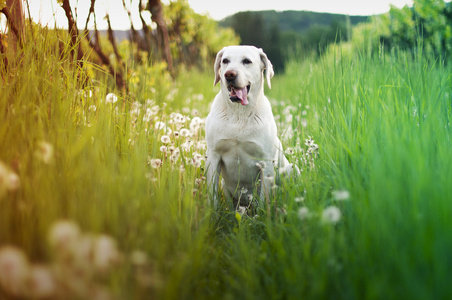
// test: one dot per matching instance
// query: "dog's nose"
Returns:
(230, 75)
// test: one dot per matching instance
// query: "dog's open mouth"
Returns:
(239, 94)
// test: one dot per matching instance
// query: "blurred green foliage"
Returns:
(426, 25)
(281, 34)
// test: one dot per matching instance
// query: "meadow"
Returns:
(103, 196)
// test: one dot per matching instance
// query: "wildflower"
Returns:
(44, 151)
(92, 108)
(9, 180)
(62, 234)
(13, 181)
(135, 109)
(289, 151)
(148, 115)
(156, 163)
(304, 213)
(309, 142)
(250, 197)
(178, 118)
(111, 98)
(331, 214)
(299, 199)
(105, 253)
(14, 270)
(261, 164)
(163, 149)
(186, 146)
(340, 195)
(241, 211)
(195, 123)
(196, 163)
(243, 191)
(197, 156)
(184, 132)
(159, 125)
(165, 139)
(41, 283)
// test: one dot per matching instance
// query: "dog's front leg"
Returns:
(267, 180)
(213, 178)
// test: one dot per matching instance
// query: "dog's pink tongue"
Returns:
(243, 95)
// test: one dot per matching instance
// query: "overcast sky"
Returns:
(50, 13)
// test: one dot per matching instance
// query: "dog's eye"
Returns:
(225, 61)
(246, 61)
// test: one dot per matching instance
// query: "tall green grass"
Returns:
(382, 125)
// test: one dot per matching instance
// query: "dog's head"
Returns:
(241, 72)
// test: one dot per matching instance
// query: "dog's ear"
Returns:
(267, 66)
(217, 65)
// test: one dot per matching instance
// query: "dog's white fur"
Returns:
(242, 144)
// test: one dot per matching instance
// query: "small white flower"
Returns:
(44, 151)
(163, 149)
(299, 199)
(304, 213)
(105, 253)
(184, 132)
(159, 125)
(62, 234)
(111, 98)
(261, 164)
(331, 214)
(289, 151)
(340, 195)
(41, 283)
(156, 163)
(14, 270)
(165, 139)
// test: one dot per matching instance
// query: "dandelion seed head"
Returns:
(261, 164)
(184, 132)
(331, 215)
(340, 195)
(14, 270)
(41, 282)
(44, 152)
(156, 163)
(62, 234)
(111, 98)
(165, 139)
(159, 125)
(304, 213)
(299, 199)
(105, 253)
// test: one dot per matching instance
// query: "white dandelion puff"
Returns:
(184, 132)
(165, 139)
(340, 195)
(156, 163)
(331, 215)
(304, 213)
(111, 98)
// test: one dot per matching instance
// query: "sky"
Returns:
(50, 13)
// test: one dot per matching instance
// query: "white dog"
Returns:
(242, 145)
